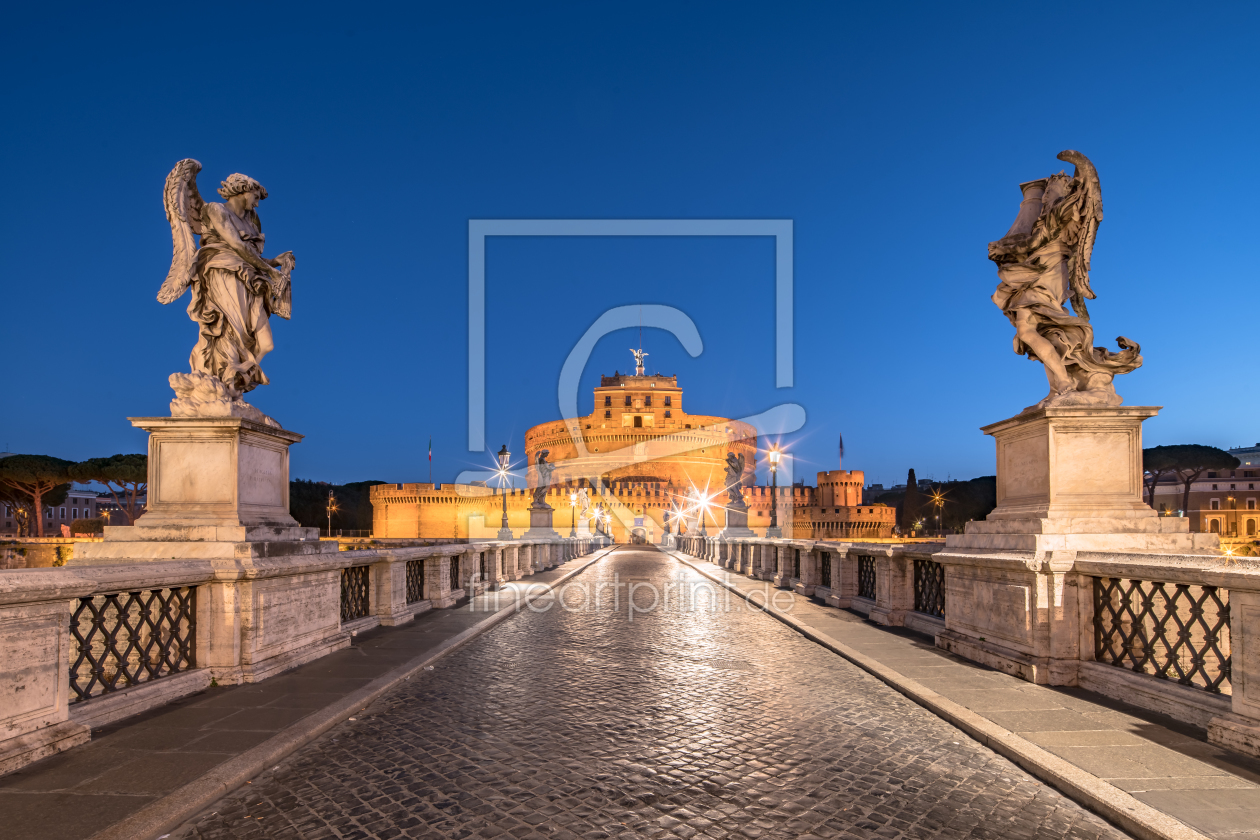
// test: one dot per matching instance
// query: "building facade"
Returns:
(641, 458)
(80, 503)
(1224, 502)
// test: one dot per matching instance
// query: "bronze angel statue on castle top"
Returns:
(235, 289)
(1043, 262)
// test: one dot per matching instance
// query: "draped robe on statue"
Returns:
(233, 301)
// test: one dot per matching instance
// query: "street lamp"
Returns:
(505, 461)
(774, 456)
(702, 505)
(330, 509)
(573, 514)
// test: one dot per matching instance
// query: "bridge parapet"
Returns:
(84, 646)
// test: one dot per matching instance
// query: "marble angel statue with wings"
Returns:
(235, 289)
(1043, 264)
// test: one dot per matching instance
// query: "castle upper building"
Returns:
(640, 456)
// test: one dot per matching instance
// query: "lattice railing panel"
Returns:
(1172, 631)
(929, 587)
(415, 580)
(866, 577)
(354, 592)
(824, 562)
(123, 639)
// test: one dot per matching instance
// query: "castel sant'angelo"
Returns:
(640, 457)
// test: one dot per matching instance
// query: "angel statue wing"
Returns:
(1091, 214)
(183, 211)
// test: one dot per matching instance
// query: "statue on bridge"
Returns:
(543, 471)
(1043, 262)
(584, 504)
(735, 481)
(235, 290)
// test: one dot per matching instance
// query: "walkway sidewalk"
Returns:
(144, 776)
(1150, 775)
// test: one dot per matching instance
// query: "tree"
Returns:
(1189, 461)
(39, 477)
(1157, 462)
(126, 474)
(307, 500)
(911, 504)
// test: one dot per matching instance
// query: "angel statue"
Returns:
(638, 361)
(584, 504)
(735, 481)
(235, 290)
(543, 471)
(1043, 262)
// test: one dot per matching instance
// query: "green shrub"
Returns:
(87, 526)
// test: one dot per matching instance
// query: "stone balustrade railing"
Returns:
(1175, 634)
(83, 646)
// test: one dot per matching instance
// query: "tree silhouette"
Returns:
(126, 474)
(45, 480)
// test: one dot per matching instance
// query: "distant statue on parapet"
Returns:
(638, 361)
(543, 470)
(1043, 262)
(235, 290)
(734, 481)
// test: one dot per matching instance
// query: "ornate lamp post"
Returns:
(505, 461)
(702, 505)
(774, 455)
(573, 514)
(330, 509)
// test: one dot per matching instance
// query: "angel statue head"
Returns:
(235, 290)
(237, 183)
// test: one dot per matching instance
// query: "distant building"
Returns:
(1224, 502)
(81, 503)
(642, 457)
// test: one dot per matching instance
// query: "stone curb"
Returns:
(1105, 799)
(169, 812)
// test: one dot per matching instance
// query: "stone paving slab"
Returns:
(1131, 756)
(147, 773)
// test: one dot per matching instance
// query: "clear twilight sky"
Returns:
(893, 136)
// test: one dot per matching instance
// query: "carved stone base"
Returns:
(1070, 478)
(540, 525)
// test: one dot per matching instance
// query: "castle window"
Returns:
(607, 399)
(628, 399)
(607, 415)
(668, 414)
(669, 401)
(647, 401)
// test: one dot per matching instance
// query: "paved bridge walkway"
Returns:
(694, 719)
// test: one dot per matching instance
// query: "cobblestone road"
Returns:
(697, 719)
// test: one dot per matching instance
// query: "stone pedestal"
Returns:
(583, 529)
(218, 488)
(736, 525)
(540, 525)
(1070, 478)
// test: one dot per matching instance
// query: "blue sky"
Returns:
(893, 135)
